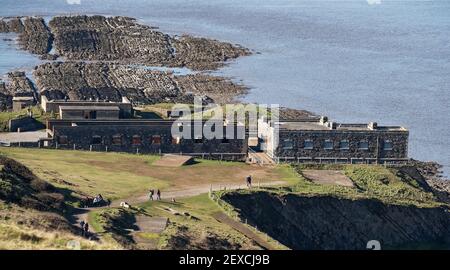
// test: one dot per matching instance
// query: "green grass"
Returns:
(86, 172)
(371, 181)
(200, 219)
(38, 114)
(120, 175)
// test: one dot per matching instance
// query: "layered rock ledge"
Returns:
(106, 81)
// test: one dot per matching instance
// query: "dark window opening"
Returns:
(117, 140)
(62, 140)
(156, 139)
(363, 145)
(96, 140)
(136, 140)
(198, 140)
(328, 145)
(308, 145)
(387, 145)
(225, 140)
(344, 145)
(288, 144)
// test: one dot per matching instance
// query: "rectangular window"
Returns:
(198, 140)
(117, 140)
(62, 140)
(288, 144)
(344, 145)
(136, 140)
(328, 145)
(387, 145)
(156, 139)
(96, 140)
(225, 140)
(309, 145)
(363, 145)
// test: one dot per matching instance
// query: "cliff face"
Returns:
(301, 222)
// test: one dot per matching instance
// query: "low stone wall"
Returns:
(25, 124)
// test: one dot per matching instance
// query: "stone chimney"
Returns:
(372, 125)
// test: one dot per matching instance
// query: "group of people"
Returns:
(84, 228)
(151, 193)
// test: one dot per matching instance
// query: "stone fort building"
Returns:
(110, 126)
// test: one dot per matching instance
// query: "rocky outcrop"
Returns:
(8, 25)
(204, 54)
(118, 39)
(325, 222)
(121, 39)
(83, 81)
(35, 37)
(18, 84)
(221, 90)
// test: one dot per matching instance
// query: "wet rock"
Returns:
(8, 25)
(102, 81)
(19, 85)
(123, 40)
(221, 90)
(35, 37)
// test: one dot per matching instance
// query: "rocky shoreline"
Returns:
(99, 53)
(104, 81)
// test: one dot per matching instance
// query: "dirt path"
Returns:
(189, 192)
(147, 225)
(223, 218)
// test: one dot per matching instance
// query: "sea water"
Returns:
(357, 61)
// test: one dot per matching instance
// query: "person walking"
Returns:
(86, 229)
(82, 227)
(248, 179)
(150, 194)
(158, 195)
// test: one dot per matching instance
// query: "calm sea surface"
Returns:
(350, 60)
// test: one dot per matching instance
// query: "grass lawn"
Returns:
(371, 181)
(119, 175)
(38, 114)
(201, 210)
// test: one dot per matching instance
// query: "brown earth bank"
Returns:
(326, 222)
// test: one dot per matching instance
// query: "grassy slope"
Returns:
(17, 233)
(200, 222)
(38, 114)
(117, 175)
(371, 181)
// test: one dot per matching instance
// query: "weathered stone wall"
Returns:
(81, 137)
(85, 114)
(25, 124)
(375, 139)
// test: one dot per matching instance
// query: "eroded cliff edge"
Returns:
(326, 222)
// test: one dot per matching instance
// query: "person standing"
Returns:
(248, 179)
(86, 229)
(150, 194)
(82, 227)
(158, 195)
